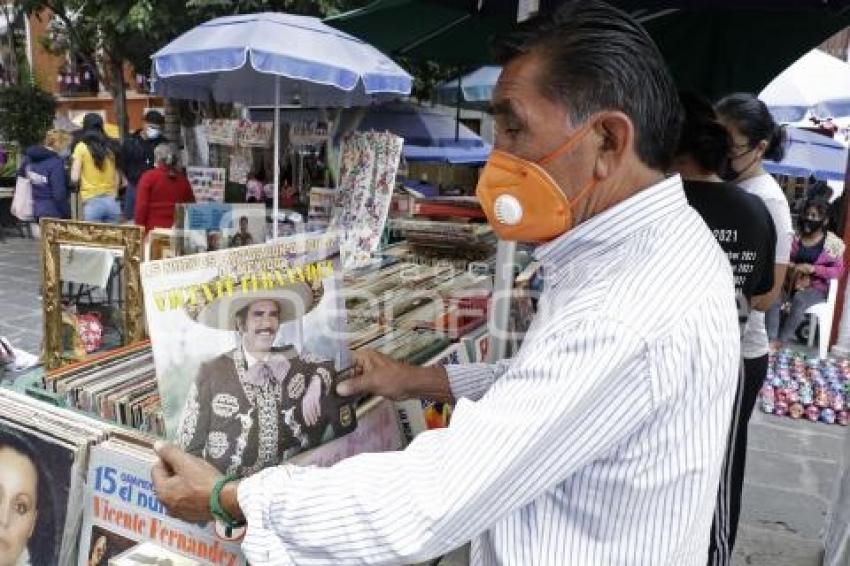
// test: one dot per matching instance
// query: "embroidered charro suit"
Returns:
(241, 425)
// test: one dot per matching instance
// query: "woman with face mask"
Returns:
(756, 136)
(817, 256)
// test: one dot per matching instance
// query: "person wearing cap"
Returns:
(137, 155)
(256, 404)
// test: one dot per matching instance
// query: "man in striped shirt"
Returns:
(601, 441)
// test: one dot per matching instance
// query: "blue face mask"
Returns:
(151, 132)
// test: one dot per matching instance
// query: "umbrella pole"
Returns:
(457, 103)
(276, 197)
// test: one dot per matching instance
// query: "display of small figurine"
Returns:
(780, 394)
(836, 401)
(780, 409)
(767, 399)
(812, 413)
(827, 415)
(792, 395)
(806, 393)
(842, 418)
(796, 410)
(821, 396)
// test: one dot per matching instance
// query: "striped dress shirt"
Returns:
(600, 442)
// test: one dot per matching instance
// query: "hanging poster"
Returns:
(221, 132)
(254, 134)
(207, 183)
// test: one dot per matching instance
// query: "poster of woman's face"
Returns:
(35, 476)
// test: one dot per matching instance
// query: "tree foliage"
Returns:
(26, 113)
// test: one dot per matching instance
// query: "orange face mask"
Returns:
(522, 201)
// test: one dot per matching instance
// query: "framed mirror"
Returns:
(92, 295)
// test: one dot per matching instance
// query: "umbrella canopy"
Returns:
(712, 46)
(476, 88)
(816, 78)
(809, 153)
(240, 59)
(419, 126)
(448, 154)
(428, 134)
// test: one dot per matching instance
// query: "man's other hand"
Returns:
(183, 483)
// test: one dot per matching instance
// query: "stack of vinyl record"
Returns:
(43, 455)
(447, 239)
(119, 387)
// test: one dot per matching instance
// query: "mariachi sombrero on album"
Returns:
(215, 304)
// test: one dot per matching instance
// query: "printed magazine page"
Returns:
(248, 346)
(121, 510)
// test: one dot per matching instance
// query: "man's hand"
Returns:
(183, 483)
(377, 374)
(805, 268)
(311, 404)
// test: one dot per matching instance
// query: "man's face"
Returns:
(261, 323)
(531, 126)
(243, 225)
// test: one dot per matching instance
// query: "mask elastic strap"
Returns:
(568, 144)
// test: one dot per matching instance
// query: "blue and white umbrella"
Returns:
(269, 59)
(476, 88)
(809, 153)
(246, 58)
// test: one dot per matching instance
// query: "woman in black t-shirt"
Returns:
(744, 229)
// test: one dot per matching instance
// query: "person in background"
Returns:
(817, 257)
(744, 229)
(254, 191)
(161, 189)
(137, 156)
(45, 168)
(93, 167)
(288, 195)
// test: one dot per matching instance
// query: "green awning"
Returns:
(713, 50)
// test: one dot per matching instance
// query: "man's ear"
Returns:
(616, 135)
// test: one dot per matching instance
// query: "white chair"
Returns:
(821, 315)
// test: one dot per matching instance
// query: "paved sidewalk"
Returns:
(20, 304)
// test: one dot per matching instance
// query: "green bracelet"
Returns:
(218, 511)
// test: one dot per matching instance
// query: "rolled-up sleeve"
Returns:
(537, 424)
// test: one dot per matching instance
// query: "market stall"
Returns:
(276, 59)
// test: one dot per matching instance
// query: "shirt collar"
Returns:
(637, 212)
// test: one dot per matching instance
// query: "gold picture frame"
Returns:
(128, 239)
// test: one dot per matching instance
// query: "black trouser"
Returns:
(725, 527)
